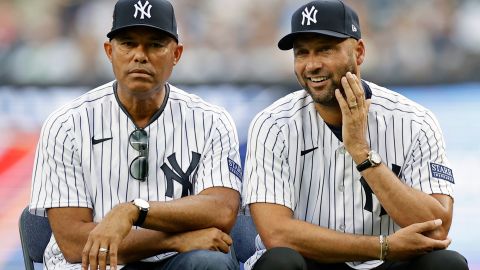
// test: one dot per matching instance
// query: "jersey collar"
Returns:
(155, 115)
(367, 89)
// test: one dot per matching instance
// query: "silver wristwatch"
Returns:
(373, 160)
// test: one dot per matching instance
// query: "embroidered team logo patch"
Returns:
(234, 168)
(441, 172)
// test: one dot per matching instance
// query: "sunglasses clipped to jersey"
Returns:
(139, 167)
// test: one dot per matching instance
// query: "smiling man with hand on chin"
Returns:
(346, 174)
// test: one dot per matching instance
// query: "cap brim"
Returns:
(286, 43)
(112, 33)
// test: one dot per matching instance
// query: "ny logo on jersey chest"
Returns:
(177, 174)
(369, 192)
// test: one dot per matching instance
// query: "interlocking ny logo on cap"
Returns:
(311, 15)
(139, 7)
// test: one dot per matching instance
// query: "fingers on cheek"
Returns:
(345, 84)
(352, 78)
(355, 85)
(338, 94)
(340, 99)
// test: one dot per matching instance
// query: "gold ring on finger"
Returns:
(102, 249)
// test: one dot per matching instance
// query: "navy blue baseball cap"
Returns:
(157, 14)
(326, 17)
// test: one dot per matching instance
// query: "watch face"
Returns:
(375, 158)
(141, 203)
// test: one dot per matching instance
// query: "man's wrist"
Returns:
(383, 247)
(170, 243)
(143, 207)
(359, 155)
(132, 211)
(375, 248)
(175, 242)
(373, 160)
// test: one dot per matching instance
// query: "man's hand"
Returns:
(354, 109)
(104, 239)
(410, 241)
(207, 239)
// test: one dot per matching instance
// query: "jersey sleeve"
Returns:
(57, 179)
(267, 175)
(427, 167)
(220, 164)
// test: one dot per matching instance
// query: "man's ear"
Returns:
(107, 46)
(177, 54)
(360, 52)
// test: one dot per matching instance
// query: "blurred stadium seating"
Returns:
(51, 51)
(408, 42)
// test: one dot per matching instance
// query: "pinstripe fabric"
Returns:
(323, 186)
(71, 171)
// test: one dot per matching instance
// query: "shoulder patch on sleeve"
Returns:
(441, 172)
(234, 168)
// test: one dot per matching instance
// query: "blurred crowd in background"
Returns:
(59, 42)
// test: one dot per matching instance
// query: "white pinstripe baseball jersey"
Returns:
(83, 156)
(295, 160)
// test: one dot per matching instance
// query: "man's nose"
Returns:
(313, 63)
(140, 54)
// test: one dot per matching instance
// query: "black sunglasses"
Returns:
(139, 167)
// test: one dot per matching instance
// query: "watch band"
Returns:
(143, 207)
(373, 160)
(364, 165)
(141, 217)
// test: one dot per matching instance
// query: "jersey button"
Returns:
(341, 227)
(342, 150)
(341, 188)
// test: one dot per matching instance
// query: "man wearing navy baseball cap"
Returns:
(155, 14)
(330, 18)
(140, 174)
(345, 174)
